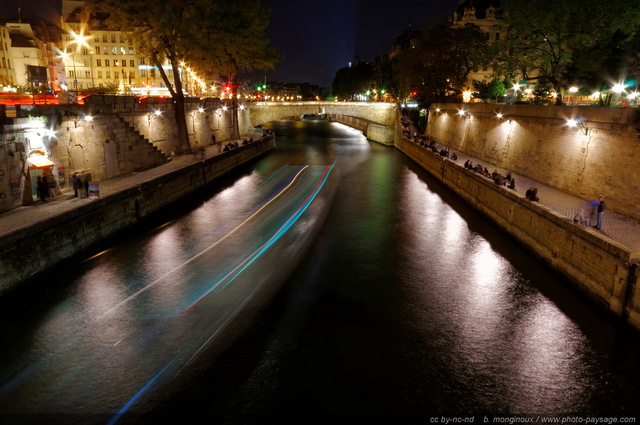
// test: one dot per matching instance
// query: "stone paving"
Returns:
(620, 228)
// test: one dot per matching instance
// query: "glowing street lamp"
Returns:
(618, 88)
(80, 40)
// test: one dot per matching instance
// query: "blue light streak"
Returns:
(135, 397)
(253, 257)
(273, 194)
(272, 175)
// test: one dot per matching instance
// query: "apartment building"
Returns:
(96, 56)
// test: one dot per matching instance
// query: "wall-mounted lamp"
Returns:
(438, 109)
(156, 113)
(578, 122)
(78, 120)
(500, 116)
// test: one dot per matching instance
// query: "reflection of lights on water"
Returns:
(239, 188)
(547, 370)
(454, 228)
(487, 265)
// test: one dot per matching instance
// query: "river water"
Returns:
(389, 299)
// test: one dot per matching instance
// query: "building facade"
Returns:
(484, 14)
(96, 56)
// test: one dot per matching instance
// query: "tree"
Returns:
(211, 35)
(440, 63)
(350, 81)
(490, 91)
(547, 38)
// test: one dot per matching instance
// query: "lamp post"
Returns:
(65, 56)
(79, 40)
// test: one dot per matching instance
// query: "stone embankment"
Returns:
(604, 269)
(43, 244)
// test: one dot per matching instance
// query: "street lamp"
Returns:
(65, 56)
(80, 40)
(573, 90)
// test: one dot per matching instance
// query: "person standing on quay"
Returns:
(75, 182)
(600, 209)
(42, 189)
(45, 188)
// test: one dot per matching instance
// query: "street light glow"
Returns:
(80, 40)
(619, 88)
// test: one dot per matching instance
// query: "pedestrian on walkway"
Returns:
(76, 184)
(52, 188)
(600, 210)
(85, 184)
(45, 188)
(582, 216)
(42, 189)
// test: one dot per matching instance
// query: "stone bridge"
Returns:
(377, 120)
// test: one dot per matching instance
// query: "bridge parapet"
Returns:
(376, 112)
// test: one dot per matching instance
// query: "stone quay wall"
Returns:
(30, 251)
(122, 138)
(380, 133)
(602, 268)
(599, 156)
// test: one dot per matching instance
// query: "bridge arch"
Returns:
(376, 119)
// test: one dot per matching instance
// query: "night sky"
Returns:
(316, 37)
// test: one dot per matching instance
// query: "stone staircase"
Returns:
(142, 147)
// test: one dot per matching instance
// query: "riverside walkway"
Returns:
(619, 228)
(25, 216)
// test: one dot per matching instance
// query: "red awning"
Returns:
(39, 161)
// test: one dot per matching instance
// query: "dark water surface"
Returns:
(401, 305)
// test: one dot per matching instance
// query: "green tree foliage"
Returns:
(549, 40)
(212, 36)
(350, 81)
(492, 91)
(440, 62)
